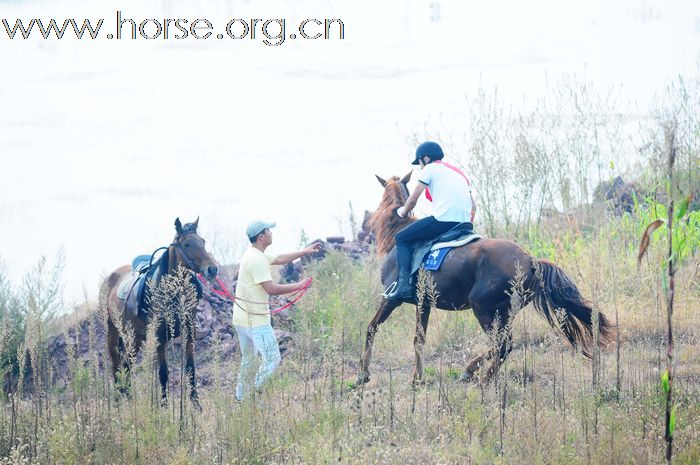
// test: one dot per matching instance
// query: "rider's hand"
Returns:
(401, 211)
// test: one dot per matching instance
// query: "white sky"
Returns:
(103, 143)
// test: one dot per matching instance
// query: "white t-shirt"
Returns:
(450, 192)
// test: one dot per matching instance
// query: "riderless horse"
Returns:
(186, 256)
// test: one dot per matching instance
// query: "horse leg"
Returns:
(162, 373)
(494, 320)
(189, 370)
(115, 347)
(422, 318)
(473, 367)
(383, 312)
(504, 344)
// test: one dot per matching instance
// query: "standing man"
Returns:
(251, 311)
(450, 193)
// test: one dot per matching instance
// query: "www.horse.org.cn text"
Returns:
(272, 32)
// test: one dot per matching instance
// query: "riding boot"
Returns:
(403, 290)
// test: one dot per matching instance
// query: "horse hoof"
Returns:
(362, 379)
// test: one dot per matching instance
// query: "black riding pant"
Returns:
(420, 231)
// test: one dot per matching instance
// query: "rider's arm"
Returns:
(413, 198)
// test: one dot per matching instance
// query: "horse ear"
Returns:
(196, 223)
(407, 178)
(381, 181)
(178, 226)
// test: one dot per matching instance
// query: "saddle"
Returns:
(430, 254)
(132, 289)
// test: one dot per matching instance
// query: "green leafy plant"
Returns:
(679, 249)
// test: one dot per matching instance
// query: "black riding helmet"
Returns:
(428, 149)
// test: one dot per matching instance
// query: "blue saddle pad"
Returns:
(433, 260)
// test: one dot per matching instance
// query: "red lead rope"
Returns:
(225, 293)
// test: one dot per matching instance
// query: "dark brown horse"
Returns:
(187, 250)
(480, 276)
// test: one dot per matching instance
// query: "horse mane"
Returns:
(164, 263)
(384, 222)
(161, 267)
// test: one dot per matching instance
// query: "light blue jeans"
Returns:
(259, 340)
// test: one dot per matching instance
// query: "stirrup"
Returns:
(389, 289)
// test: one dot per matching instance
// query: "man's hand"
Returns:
(280, 289)
(313, 248)
(283, 259)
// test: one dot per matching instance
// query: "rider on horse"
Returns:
(450, 193)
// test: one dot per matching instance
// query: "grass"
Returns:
(541, 408)
(546, 405)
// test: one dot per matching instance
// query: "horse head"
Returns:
(395, 190)
(385, 223)
(190, 250)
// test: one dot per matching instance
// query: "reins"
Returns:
(223, 291)
(226, 293)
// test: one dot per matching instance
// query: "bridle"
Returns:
(190, 264)
(176, 244)
(188, 261)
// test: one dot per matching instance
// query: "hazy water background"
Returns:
(104, 143)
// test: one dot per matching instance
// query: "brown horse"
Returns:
(481, 276)
(187, 250)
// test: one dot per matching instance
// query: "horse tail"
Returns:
(559, 301)
(106, 288)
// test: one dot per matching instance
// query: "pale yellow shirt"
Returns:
(254, 270)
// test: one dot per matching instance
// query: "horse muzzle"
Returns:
(211, 271)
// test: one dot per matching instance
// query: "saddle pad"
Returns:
(456, 243)
(139, 266)
(420, 252)
(434, 259)
(126, 285)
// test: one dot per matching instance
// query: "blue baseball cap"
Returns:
(256, 227)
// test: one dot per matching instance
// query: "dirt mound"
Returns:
(618, 195)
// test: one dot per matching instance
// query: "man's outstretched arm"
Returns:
(283, 259)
